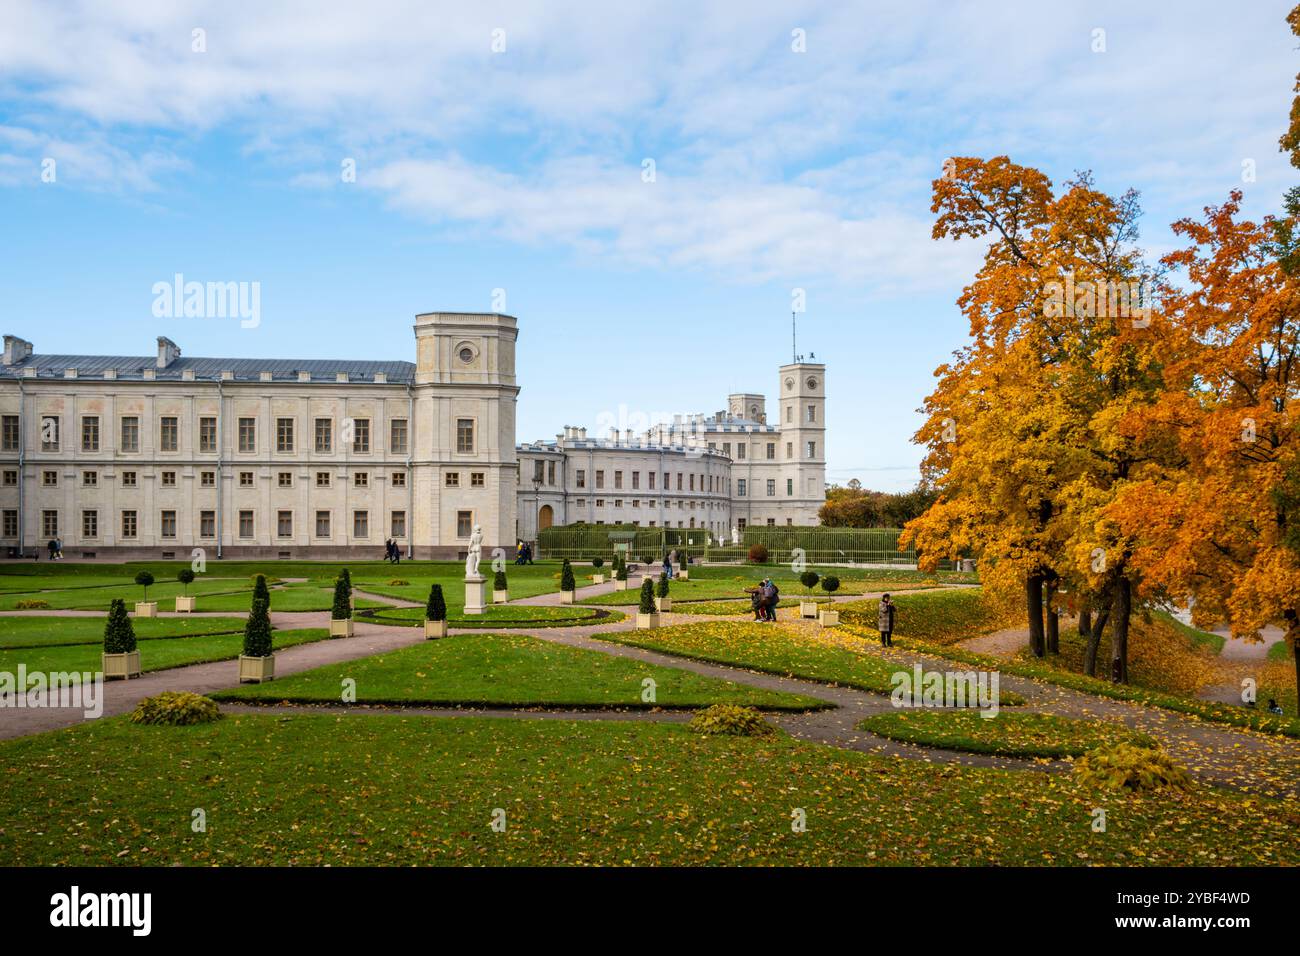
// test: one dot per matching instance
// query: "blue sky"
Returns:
(522, 169)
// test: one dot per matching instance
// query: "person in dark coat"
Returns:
(885, 622)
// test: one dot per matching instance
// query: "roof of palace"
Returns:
(133, 368)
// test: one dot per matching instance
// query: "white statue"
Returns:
(475, 552)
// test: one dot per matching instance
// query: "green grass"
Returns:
(397, 789)
(938, 617)
(741, 608)
(1281, 651)
(16, 632)
(155, 655)
(503, 615)
(511, 670)
(98, 597)
(773, 650)
(1007, 734)
(1198, 637)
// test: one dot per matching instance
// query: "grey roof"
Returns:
(132, 367)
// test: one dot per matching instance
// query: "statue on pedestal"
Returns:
(475, 553)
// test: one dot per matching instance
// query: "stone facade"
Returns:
(156, 456)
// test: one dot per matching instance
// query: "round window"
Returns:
(812, 383)
(467, 355)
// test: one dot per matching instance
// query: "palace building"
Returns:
(156, 456)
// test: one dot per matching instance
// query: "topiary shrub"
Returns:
(177, 709)
(567, 583)
(662, 589)
(499, 581)
(830, 584)
(260, 591)
(342, 609)
(347, 579)
(266, 579)
(732, 720)
(436, 608)
(647, 597)
(621, 572)
(257, 630)
(144, 579)
(119, 633)
(186, 577)
(1132, 768)
(31, 604)
(809, 580)
(597, 563)
(758, 554)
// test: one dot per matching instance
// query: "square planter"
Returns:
(566, 597)
(598, 579)
(646, 621)
(830, 618)
(664, 603)
(500, 597)
(341, 628)
(435, 629)
(807, 608)
(255, 670)
(682, 575)
(620, 585)
(146, 608)
(184, 604)
(121, 666)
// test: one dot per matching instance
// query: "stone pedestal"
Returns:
(475, 594)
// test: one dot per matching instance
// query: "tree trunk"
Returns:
(1123, 609)
(1293, 635)
(1034, 606)
(1085, 623)
(1053, 634)
(1098, 626)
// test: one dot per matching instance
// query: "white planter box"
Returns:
(598, 579)
(807, 608)
(646, 621)
(500, 597)
(664, 603)
(184, 604)
(682, 575)
(620, 585)
(341, 628)
(146, 608)
(830, 618)
(121, 665)
(566, 597)
(435, 629)
(255, 670)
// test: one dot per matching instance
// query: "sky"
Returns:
(649, 187)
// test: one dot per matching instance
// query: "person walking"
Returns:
(668, 565)
(53, 548)
(885, 622)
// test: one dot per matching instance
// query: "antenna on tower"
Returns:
(794, 337)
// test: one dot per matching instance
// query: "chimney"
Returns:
(168, 352)
(16, 349)
(583, 433)
(627, 436)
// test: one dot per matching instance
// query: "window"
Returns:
(246, 524)
(207, 434)
(90, 524)
(284, 524)
(90, 433)
(90, 479)
(600, 478)
(397, 436)
(581, 481)
(771, 487)
(651, 475)
(397, 527)
(128, 479)
(812, 413)
(50, 433)
(618, 480)
(11, 479)
(169, 479)
(322, 524)
(464, 524)
(49, 478)
(207, 479)
(167, 526)
(361, 436)
(679, 481)
(771, 451)
(361, 479)
(130, 434)
(771, 522)
(667, 481)
(692, 482)
(740, 451)
(128, 524)
(465, 436)
(324, 436)
(600, 502)
(399, 479)
(246, 479)
(284, 479)
(322, 479)
(10, 524)
(361, 524)
(207, 524)
(452, 479)
(9, 433)
(789, 449)
(477, 479)
(248, 435)
(50, 524)
(789, 486)
(789, 414)
(168, 433)
(284, 435)
(539, 470)
(812, 449)
(550, 472)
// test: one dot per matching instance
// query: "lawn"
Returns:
(395, 789)
(503, 615)
(155, 655)
(1007, 734)
(774, 649)
(16, 632)
(938, 617)
(511, 670)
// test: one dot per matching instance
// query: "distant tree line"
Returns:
(853, 506)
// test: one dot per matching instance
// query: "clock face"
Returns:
(812, 383)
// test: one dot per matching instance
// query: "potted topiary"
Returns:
(598, 563)
(647, 615)
(683, 572)
(184, 602)
(347, 580)
(121, 659)
(620, 576)
(809, 580)
(261, 591)
(662, 601)
(567, 584)
(257, 663)
(145, 608)
(830, 617)
(435, 613)
(341, 612)
(500, 589)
